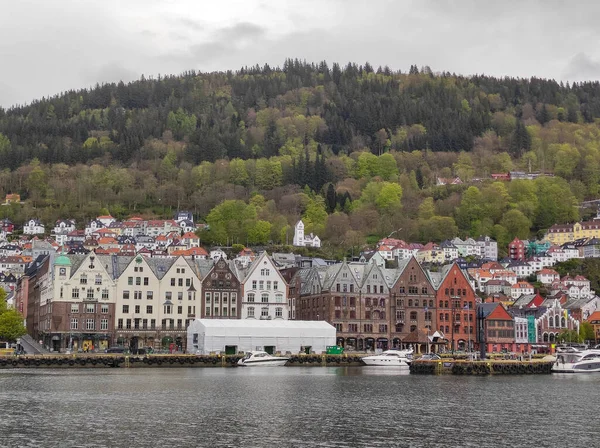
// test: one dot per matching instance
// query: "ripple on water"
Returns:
(307, 407)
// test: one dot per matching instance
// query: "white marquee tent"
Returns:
(243, 335)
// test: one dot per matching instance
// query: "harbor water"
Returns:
(293, 406)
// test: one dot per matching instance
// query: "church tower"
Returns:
(299, 234)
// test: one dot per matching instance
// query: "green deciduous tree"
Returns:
(11, 321)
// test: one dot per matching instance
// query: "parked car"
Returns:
(116, 350)
(430, 357)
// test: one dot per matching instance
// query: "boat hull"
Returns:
(578, 367)
(382, 362)
(265, 363)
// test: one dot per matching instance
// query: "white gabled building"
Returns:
(264, 291)
(302, 240)
(33, 227)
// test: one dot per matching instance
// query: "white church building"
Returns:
(302, 240)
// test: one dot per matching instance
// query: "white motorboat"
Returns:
(390, 358)
(577, 362)
(262, 359)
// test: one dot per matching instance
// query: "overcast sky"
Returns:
(47, 46)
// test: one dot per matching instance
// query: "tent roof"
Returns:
(266, 324)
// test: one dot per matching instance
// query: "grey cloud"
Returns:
(111, 72)
(191, 24)
(582, 67)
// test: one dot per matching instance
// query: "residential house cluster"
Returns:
(391, 249)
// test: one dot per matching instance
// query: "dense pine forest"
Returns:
(355, 151)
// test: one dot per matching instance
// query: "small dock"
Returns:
(483, 367)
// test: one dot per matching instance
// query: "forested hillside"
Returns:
(354, 151)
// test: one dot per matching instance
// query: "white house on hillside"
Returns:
(33, 227)
(302, 240)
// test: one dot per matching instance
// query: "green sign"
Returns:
(531, 328)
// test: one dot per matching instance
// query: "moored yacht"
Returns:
(262, 359)
(390, 358)
(577, 362)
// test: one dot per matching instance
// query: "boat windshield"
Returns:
(569, 358)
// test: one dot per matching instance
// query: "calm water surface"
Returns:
(295, 406)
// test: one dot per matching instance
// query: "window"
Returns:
(148, 309)
(413, 290)
(137, 295)
(188, 282)
(90, 293)
(74, 324)
(251, 311)
(98, 280)
(253, 284)
(338, 314)
(180, 309)
(145, 324)
(83, 279)
(152, 324)
(75, 293)
(90, 308)
(208, 311)
(168, 295)
(120, 324)
(105, 293)
(269, 285)
(352, 314)
(368, 289)
(417, 302)
(233, 297)
(217, 296)
(149, 295)
(180, 282)
(338, 328)
(138, 281)
(424, 290)
(125, 309)
(278, 312)
(261, 284)
(172, 282)
(368, 328)
(410, 302)
(90, 324)
(383, 328)
(275, 285)
(180, 295)
(130, 281)
(264, 298)
(137, 309)
(104, 324)
(168, 309)
(74, 308)
(126, 295)
(146, 281)
(128, 324)
(352, 287)
(413, 315)
(251, 297)
(264, 311)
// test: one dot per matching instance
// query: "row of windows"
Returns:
(88, 308)
(500, 333)
(367, 328)
(90, 293)
(446, 317)
(90, 324)
(137, 309)
(413, 290)
(264, 298)
(142, 324)
(83, 280)
(456, 304)
(260, 284)
(452, 291)
(223, 311)
(217, 296)
(264, 312)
